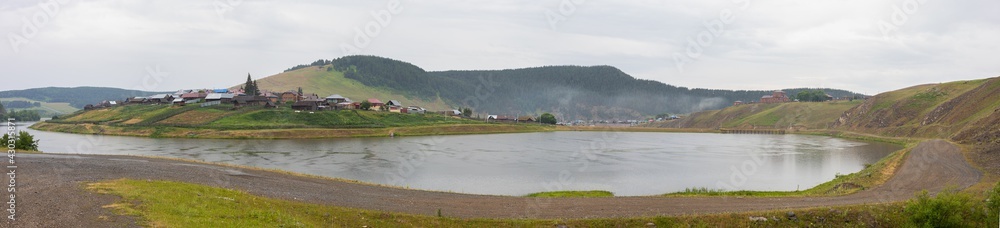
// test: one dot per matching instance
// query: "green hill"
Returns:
(965, 111)
(323, 82)
(223, 121)
(76, 97)
(570, 92)
(46, 109)
(796, 115)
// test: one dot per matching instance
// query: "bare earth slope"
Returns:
(51, 194)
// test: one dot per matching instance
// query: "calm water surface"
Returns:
(625, 163)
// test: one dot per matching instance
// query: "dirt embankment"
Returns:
(933, 111)
(51, 194)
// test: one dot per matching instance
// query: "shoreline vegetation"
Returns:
(225, 127)
(871, 176)
(155, 203)
(291, 133)
(952, 111)
(223, 123)
(228, 122)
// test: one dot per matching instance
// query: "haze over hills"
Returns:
(570, 92)
(77, 97)
(964, 111)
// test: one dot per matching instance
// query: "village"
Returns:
(293, 99)
(250, 95)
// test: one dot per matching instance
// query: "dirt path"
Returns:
(50, 192)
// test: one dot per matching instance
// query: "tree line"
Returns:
(77, 97)
(23, 115)
(21, 104)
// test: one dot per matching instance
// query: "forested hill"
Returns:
(571, 92)
(76, 97)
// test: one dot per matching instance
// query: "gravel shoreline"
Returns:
(50, 192)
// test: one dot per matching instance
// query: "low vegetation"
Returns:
(177, 204)
(792, 115)
(22, 142)
(947, 110)
(323, 82)
(872, 175)
(225, 121)
(564, 194)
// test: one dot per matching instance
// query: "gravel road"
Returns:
(50, 192)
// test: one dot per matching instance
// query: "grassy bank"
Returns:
(227, 122)
(294, 133)
(177, 204)
(792, 115)
(872, 175)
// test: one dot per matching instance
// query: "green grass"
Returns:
(225, 118)
(176, 204)
(567, 194)
(286, 118)
(811, 115)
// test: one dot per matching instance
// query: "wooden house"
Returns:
(135, 100)
(306, 105)
(289, 96)
(376, 104)
(221, 97)
(394, 106)
(193, 96)
(245, 101)
(160, 98)
(336, 99)
(777, 96)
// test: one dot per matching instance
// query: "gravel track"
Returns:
(50, 192)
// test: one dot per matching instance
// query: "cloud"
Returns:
(768, 45)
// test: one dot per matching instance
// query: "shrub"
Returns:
(947, 209)
(993, 205)
(547, 118)
(23, 141)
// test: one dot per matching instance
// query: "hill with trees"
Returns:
(569, 92)
(76, 97)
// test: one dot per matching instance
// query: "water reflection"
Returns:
(515, 164)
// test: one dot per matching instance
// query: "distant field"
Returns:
(48, 109)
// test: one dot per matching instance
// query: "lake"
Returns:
(625, 163)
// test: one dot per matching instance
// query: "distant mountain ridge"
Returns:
(570, 92)
(75, 96)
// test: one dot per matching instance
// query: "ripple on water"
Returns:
(628, 163)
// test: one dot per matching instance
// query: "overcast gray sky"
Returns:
(860, 45)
